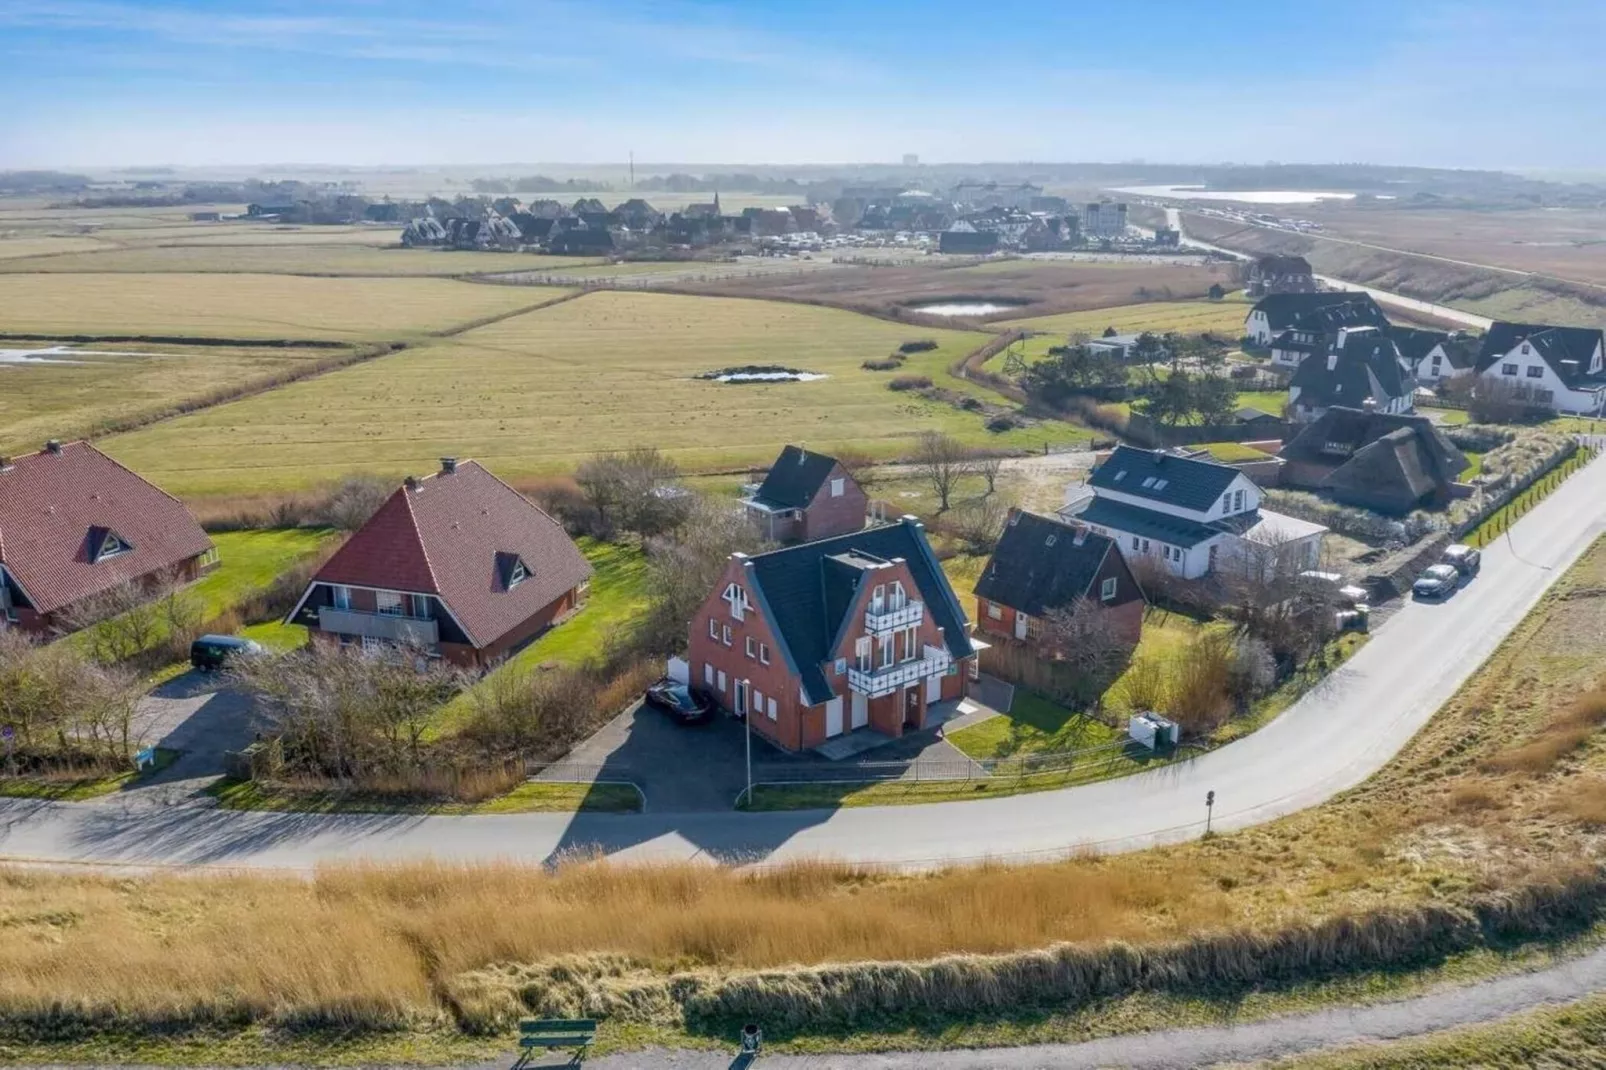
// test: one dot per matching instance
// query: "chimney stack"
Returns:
(53, 446)
(411, 483)
(448, 465)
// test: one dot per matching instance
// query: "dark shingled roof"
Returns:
(1284, 310)
(807, 589)
(1282, 265)
(795, 478)
(1368, 363)
(1568, 350)
(1164, 477)
(1041, 563)
(1146, 523)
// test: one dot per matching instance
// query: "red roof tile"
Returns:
(48, 504)
(443, 538)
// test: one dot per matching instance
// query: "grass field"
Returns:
(248, 306)
(281, 259)
(73, 400)
(29, 245)
(1225, 318)
(539, 392)
(530, 797)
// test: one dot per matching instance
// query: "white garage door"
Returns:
(833, 717)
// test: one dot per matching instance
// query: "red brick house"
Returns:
(74, 524)
(1042, 564)
(815, 640)
(807, 496)
(458, 565)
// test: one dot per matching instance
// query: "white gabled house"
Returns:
(1361, 369)
(1190, 514)
(1322, 313)
(1561, 365)
(1433, 356)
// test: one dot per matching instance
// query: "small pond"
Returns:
(965, 308)
(59, 355)
(759, 373)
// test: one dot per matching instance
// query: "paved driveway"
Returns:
(196, 715)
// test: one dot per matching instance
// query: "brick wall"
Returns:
(827, 516)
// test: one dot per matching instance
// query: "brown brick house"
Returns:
(1042, 564)
(814, 640)
(75, 524)
(806, 496)
(459, 565)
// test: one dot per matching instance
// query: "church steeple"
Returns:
(716, 202)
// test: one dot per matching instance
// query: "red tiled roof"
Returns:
(50, 501)
(443, 539)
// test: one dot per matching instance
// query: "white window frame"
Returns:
(387, 608)
(995, 611)
(517, 575)
(755, 700)
(708, 673)
(736, 598)
(864, 653)
(722, 679)
(1536, 371)
(1508, 368)
(763, 653)
(1107, 590)
(112, 546)
(839, 487)
(750, 647)
(725, 634)
(713, 629)
(770, 712)
(911, 641)
(888, 651)
(340, 597)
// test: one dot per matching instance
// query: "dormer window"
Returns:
(105, 543)
(511, 570)
(736, 598)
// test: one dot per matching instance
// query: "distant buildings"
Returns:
(1280, 275)
(1312, 312)
(1104, 219)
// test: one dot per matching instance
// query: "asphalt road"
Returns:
(1383, 297)
(1333, 738)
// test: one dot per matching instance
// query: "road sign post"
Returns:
(1210, 807)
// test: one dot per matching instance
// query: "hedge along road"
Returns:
(1336, 736)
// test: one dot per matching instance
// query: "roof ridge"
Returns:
(525, 498)
(423, 544)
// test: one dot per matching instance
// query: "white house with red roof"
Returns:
(75, 524)
(457, 565)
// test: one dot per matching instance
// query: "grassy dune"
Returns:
(539, 392)
(246, 306)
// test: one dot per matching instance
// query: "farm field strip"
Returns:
(284, 259)
(245, 306)
(537, 392)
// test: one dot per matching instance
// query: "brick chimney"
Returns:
(53, 446)
(448, 465)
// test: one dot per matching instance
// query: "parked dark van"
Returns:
(210, 652)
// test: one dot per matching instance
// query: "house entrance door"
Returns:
(934, 688)
(861, 710)
(833, 717)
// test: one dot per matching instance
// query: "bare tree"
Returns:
(943, 461)
(1089, 639)
(350, 505)
(980, 523)
(635, 491)
(988, 465)
(682, 568)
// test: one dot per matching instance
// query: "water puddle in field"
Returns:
(761, 374)
(60, 355)
(964, 308)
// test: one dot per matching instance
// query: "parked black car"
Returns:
(1466, 560)
(1439, 581)
(212, 652)
(682, 702)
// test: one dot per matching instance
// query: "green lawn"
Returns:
(618, 594)
(248, 563)
(1233, 452)
(539, 392)
(80, 789)
(1033, 725)
(1272, 401)
(529, 797)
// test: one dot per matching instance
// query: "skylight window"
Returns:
(1119, 476)
(1149, 482)
(1159, 484)
(1050, 540)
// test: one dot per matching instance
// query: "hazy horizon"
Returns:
(1492, 84)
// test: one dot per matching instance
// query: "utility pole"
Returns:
(1210, 806)
(747, 723)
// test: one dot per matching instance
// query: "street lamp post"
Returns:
(1210, 806)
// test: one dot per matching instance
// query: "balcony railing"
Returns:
(884, 681)
(885, 620)
(408, 630)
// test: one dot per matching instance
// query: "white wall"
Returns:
(1258, 328)
(1564, 398)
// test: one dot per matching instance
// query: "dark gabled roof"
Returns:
(1415, 343)
(806, 590)
(1568, 350)
(1146, 523)
(1164, 477)
(1282, 310)
(1367, 366)
(1282, 265)
(795, 478)
(59, 506)
(457, 535)
(1392, 468)
(1041, 563)
(1287, 341)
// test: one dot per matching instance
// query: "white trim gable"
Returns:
(1563, 397)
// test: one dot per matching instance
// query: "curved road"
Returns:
(1173, 218)
(1332, 739)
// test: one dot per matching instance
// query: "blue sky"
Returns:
(1483, 83)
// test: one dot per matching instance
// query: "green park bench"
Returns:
(549, 1033)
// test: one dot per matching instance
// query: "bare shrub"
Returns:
(637, 491)
(1201, 695)
(350, 504)
(882, 364)
(682, 568)
(980, 524)
(943, 461)
(909, 382)
(64, 707)
(1147, 683)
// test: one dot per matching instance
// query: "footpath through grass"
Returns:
(530, 797)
